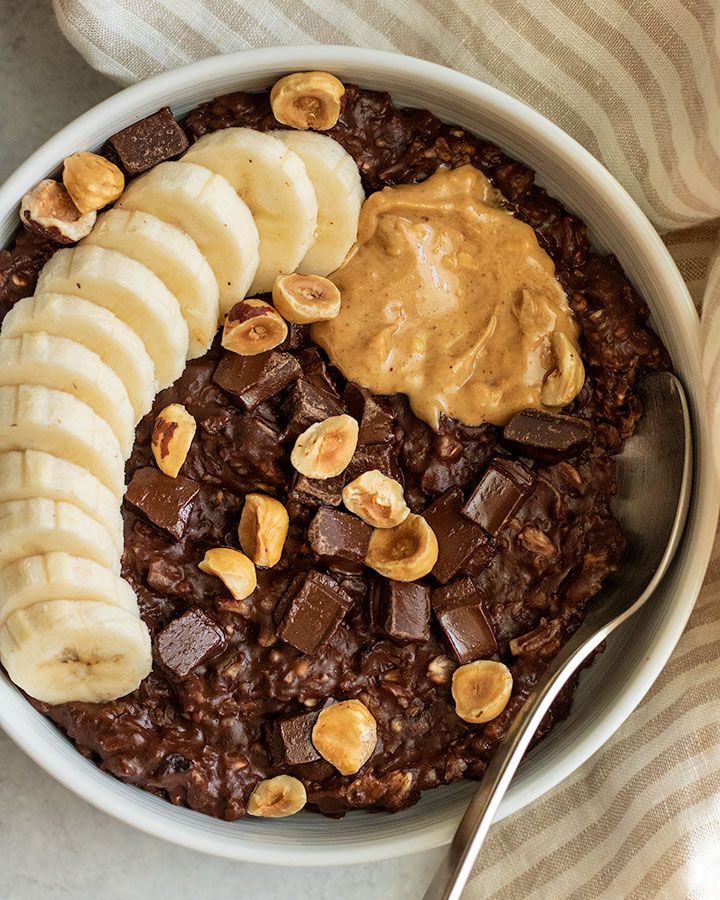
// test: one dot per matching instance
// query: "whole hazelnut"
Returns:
(302, 299)
(172, 435)
(307, 100)
(233, 568)
(404, 553)
(325, 449)
(263, 528)
(252, 327)
(481, 690)
(92, 181)
(345, 734)
(275, 798)
(48, 210)
(376, 499)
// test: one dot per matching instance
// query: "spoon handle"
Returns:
(655, 491)
(455, 868)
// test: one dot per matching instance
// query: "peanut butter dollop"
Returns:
(448, 298)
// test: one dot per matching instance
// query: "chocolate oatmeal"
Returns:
(522, 517)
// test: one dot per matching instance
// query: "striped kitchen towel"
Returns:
(637, 82)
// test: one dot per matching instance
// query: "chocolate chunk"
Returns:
(148, 142)
(317, 491)
(19, 267)
(462, 544)
(315, 370)
(460, 613)
(289, 741)
(188, 641)
(165, 501)
(376, 422)
(545, 435)
(480, 557)
(374, 456)
(338, 539)
(298, 337)
(307, 404)
(310, 611)
(253, 379)
(401, 609)
(499, 494)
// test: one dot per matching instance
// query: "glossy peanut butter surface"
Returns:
(448, 298)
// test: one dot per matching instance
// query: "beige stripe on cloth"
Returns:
(638, 83)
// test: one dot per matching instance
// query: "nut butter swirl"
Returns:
(449, 298)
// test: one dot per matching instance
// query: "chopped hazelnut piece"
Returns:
(481, 690)
(306, 298)
(252, 327)
(233, 568)
(376, 499)
(440, 669)
(404, 553)
(172, 436)
(92, 181)
(325, 449)
(307, 100)
(345, 735)
(277, 797)
(565, 382)
(48, 210)
(263, 529)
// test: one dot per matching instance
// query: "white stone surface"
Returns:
(53, 844)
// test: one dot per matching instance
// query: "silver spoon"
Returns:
(655, 476)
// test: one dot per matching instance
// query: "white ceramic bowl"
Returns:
(615, 684)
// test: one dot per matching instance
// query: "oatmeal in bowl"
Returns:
(311, 408)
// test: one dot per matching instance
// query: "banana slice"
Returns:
(67, 650)
(207, 208)
(25, 474)
(114, 342)
(272, 180)
(336, 179)
(131, 291)
(176, 260)
(29, 527)
(66, 365)
(60, 576)
(39, 418)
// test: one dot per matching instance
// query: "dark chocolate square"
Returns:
(164, 501)
(338, 538)
(253, 379)
(373, 456)
(310, 611)
(188, 641)
(316, 491)
(305, 405)
(499, 494)
(298, 337)
(461, 615)
(289, 740)
(547, 436)
(148, 142)
(376, 422)
(401, 609)
(461, 543)
(316, 371)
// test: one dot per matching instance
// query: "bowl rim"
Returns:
(123, 106)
